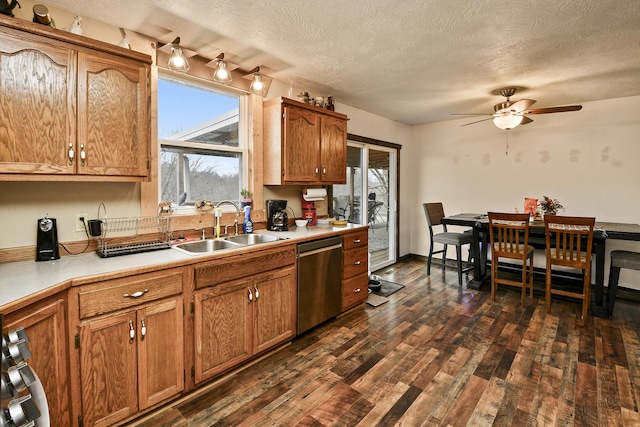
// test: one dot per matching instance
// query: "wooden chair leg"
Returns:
(548, 289)
(494, 273)
(523, 291)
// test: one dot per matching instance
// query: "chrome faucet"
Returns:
(216, 219)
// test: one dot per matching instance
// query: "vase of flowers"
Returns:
(549, 206)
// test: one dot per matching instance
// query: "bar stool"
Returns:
(619, 259)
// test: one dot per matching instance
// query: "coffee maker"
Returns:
(47, 243)
(277, 218)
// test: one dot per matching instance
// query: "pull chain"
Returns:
(506, 153)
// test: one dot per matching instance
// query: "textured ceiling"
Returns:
(414, 61)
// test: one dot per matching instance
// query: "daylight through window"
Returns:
(202, 144)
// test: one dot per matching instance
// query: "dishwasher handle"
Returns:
(320, 250)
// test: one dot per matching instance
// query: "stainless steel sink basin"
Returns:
(252, 239)
(208, 245)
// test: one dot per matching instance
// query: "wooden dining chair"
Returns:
(509, 237)
(569, 244)
(434, 213)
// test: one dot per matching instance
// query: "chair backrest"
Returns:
(434, 213)
(509, 234)
(569, 240)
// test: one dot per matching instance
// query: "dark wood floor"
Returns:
(438, 354)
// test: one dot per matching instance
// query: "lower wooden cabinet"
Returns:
(355, 267)
(130, 361)
(44, 323)
(129, 344)
(236, 320)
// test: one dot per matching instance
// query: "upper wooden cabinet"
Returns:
(72, 108)
(303, 144)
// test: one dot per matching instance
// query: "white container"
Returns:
(301, 222)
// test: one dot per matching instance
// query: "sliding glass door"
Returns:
(369, 197)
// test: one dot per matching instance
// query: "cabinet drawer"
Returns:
(355, 262)
(358, 239)
(354, 291)
(243, 265)
(116, 294)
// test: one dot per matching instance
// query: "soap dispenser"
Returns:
(247, 225)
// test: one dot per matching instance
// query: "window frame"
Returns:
(244, 119)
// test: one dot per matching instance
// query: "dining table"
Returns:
(603, 231)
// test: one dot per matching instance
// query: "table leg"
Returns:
(479, 260)
(597, 308)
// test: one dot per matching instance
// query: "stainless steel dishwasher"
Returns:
(319, 281)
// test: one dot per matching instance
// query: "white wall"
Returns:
(588, 160)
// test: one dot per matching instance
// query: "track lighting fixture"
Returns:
(221, 74)
(178, 62)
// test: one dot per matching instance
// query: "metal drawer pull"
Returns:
(357, 263)
(356, 240)
(355, 291)
(132, 332)
(143, 330)
(136, 294)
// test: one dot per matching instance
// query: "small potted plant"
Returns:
(549, 206)
(245, 198)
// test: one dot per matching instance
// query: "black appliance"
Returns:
(6, 6)
(277, 218)
(47, 244)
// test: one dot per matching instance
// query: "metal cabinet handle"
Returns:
(355, 291)
(137, 294)
(71, 154)
(257, 291)
(316, 170)
(356, 240)
(324, 170)
(83, 154)
(143, 330)
(250, 295)
(357, 263)
(132, 331)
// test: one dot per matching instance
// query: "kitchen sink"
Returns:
(252, 239)
(231, 242)
(207, 245)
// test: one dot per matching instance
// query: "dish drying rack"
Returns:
(159, 229)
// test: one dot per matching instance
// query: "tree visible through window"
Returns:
(201, 143)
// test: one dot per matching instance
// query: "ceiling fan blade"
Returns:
(554, 109)
(525, 120)
(521, 105)
(477, 121)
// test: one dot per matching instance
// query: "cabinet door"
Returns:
(37, 107)
(160, 352)
(222, 324)
(333, 154)
(47, 341)
(275, 308)
(301, 146)
(113, 123)
(108, 369)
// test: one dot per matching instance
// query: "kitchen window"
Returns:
(201, 130)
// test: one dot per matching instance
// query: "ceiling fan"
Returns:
(509, 114)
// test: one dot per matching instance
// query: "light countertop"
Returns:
(26, 279)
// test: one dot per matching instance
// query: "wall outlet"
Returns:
(80, 221)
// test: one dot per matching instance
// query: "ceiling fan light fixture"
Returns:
(507, 122)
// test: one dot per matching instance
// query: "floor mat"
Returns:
(388, 288)
(376, 300)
